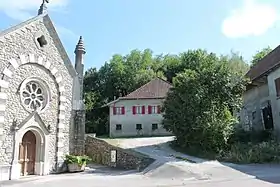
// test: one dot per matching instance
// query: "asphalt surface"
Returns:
(166, 171)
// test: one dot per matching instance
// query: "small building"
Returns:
(41, 104)
(139, 113)
(261, 101)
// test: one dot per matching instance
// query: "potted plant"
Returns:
(76, 163)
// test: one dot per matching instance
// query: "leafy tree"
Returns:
(123, 74)
(197, 109)
(259, 55)
(236, 63)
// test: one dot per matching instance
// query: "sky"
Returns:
(164, 26)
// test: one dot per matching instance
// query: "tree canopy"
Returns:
(199, 108)
(260, 54)
(123, 74)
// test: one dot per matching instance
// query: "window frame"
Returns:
(154, 125)
(277, 86)
(138, 124)
(118, 125)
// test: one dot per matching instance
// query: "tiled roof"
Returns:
(266, 64)
(156, 88)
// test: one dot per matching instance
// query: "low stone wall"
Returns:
(104, 153)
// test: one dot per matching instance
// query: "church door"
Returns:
(27, 151)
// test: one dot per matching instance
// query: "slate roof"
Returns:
(156, 88)
(265, 65)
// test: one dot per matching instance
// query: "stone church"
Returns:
(41, 99)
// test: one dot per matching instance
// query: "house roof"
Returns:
(155, 89)
(49, 25)
(265, 65)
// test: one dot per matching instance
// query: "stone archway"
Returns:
(30, 151)
(27, 154)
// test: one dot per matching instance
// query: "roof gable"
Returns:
(52, 31)
(156, 88)
(266, 64)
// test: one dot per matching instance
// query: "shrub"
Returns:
(80, 160)
(243, 136)
(262, 152)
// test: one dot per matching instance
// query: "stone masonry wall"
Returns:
(100, 152)
(22, 41)
(77, 138)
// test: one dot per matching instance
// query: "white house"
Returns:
(139, 113)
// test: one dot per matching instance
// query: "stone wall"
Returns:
(77, 146)
(100, 151)
(22, 58)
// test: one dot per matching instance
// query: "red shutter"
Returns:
(143, 109)
(134, 110)
(149, 109)
(114, 111)
(123, 111)
(158, 109)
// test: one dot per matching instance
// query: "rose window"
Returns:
(33, 96)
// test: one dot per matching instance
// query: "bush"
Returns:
(243, 136)
(263, 152)
(73, 159)
(198, 108)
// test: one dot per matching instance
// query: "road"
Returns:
(166, 171)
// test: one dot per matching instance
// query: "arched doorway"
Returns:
(27, 153)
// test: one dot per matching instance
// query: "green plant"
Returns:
(242, 136)
(263, 152)
(80, 160)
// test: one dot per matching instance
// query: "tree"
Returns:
(198, 108)
(236, 63)
(260, 55)
(122, 74)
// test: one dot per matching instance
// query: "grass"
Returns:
(239, 153)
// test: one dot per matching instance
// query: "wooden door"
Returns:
(27, 153)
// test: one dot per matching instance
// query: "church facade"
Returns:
(41, 100)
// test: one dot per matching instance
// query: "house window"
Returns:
(254, 115)
(118, 110)
(154, 126)
(118, 127)
(277, 86)
(155, 109)
(138, 109)
(138, 126)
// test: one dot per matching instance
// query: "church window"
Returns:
(34, 96)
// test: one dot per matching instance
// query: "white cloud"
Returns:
(21, 9)
(66, 33)
(253, 18)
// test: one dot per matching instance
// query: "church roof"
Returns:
(49, 25)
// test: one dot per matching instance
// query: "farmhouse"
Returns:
(139, 113)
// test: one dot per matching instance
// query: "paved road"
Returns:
(167, 165)
(167, 171)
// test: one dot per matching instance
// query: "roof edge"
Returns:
(22, 24)
(140, 98)
(60, 46)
